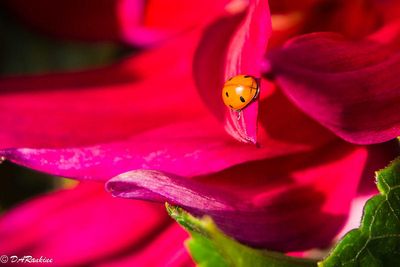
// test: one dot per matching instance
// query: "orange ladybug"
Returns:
(239, 91)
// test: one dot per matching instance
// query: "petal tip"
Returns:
(138, 184)
(244, 127)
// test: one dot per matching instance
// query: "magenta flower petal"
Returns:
(71, 117)
(264, 209)
(249, 43)
(244, 56)
(82, 226)
(185, 148)
(238, 51)
(352, 88)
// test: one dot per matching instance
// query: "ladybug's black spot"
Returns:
(247, 76)
(226, 93)
(242, 99)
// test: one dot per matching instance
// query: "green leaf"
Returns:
(210, 247)
(377, 241)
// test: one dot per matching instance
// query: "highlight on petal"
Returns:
(238, 51)
(352, 88)
(300, 204)
(83, 226)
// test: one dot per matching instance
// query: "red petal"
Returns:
(79, 19)
(164, 19)
(80, 111)
(283, 6)
(221, 56)
(82, 226)
(353, 19)
(137, 22)
(352, 88)
(103, 105)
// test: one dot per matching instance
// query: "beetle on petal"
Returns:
(239, 91)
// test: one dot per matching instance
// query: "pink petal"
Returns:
(248, 45)
(238, 51)
(279, 120)
(260, 203)
(112, 106)
(187, 148)
(352, 88)
(81, 226)
(244, 56)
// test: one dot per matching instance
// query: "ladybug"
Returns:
(239, 91)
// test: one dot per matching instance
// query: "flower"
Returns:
(155, 123)
(86, 226)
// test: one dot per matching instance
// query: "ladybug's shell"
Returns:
(239, 91)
